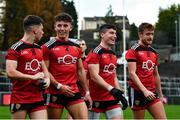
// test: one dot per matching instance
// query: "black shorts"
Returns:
(138, 101)
(62, 100)
(102, 106)
(29, 107)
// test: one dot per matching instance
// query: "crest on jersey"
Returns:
(97, 104)
(137, 102)
(17, 106)
(54, 98)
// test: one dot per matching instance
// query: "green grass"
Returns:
(172, 112)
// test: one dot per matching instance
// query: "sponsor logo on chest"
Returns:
(148, 65)
(33, 65)
(110, 68)
(67, 59)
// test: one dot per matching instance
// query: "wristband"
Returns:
(87, 93)
(59, 86)
(110, 88)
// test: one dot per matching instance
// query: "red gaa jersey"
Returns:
(62, 56)
(107, 68)
(146, 59)
(29, 58)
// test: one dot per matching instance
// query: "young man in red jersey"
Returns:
(104, 86)
(25, 67)
(144, 77)
(83, 46)
(63, 59)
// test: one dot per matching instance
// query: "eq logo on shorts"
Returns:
(67, 59)
(109, 68)
(148, 65)
(33, 65)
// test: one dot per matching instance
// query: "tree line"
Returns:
(13, 12)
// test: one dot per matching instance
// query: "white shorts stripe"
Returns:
(132, 96)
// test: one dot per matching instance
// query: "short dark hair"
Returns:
(80, 40)
(63, 17)
(104, 27)
(31, 20)
(144, 26)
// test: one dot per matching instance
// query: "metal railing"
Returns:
(170, 88)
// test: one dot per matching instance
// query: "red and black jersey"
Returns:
(29, 58)
(62, 56)
(146, 59)
(107, 68)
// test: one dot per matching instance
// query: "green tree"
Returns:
(47, 9)
(166, 22)
(68, 7)
(15, 11)
(9, 22)
(133, 32)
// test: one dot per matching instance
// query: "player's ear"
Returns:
(71, 27)
(55, 27)
(34, 32)
(101, 34)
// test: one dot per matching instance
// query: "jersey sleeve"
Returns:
(92, 58)
(45, 52)
(131, 56)
(12, 55)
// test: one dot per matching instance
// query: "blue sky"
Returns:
(136, 10)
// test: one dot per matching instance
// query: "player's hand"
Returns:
(41, 84)
(163, 100)
(67, 91)
(119, 95)
(38, 76)
(149, 95)
(47, 83)
(88, 100)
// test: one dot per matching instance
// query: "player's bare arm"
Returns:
(158, 85)
(46, 75)
(132, 73)
(83, 81)
(94, 73)
(12, 72)
(158, 82)
(81, 75)
(117, 85)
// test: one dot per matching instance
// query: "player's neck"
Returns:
(105, 46)
(142, 44)
(28, 38)
(62, 38)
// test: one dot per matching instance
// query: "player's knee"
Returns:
(114, 113)
(93, 115)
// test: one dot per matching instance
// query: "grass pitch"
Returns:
(172, 112)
